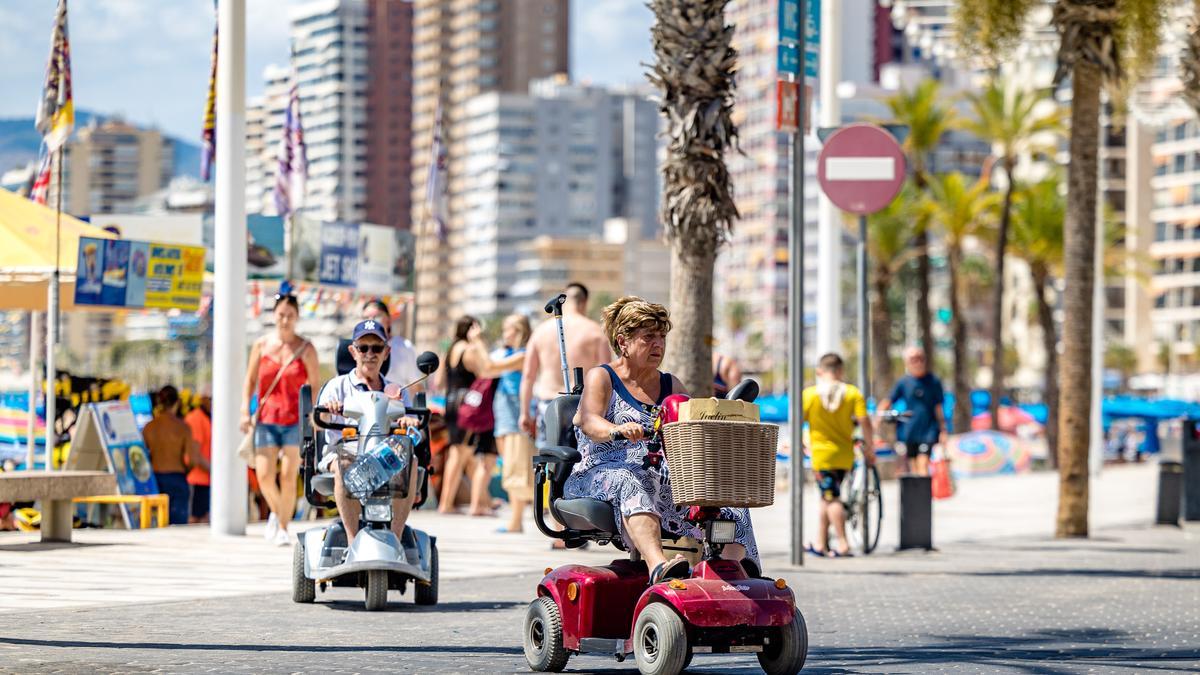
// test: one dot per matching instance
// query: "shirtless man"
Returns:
(541, 381)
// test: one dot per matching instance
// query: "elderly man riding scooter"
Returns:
(369, 349)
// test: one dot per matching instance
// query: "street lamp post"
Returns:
(229, 272)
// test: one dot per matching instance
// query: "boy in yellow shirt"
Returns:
(831, 409)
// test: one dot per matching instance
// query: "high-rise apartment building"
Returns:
(463, 48)
(330, 57)
(107, 166)
(557, 162)
(264, 131)
(389, 112)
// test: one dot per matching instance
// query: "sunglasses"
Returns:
(370, 349)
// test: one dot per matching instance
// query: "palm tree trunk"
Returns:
(690, 343)
(1079, 253)
(1041, 284)
(924, 315)
(960, 419)
(998, 301)
(881, 330)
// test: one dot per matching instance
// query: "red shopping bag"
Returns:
(943, 483)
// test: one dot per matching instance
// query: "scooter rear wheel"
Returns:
(788, 648)
(377, 590)
(660, 642)
(303, 588)
(544, 637)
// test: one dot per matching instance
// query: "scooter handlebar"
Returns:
(332, 426)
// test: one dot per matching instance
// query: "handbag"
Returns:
(475, 411)
(246, 447)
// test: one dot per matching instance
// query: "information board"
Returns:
(138, 274)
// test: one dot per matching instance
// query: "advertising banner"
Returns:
(139, 274)
(370, 259)
(107, 434)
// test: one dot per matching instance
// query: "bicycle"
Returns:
(862, 496)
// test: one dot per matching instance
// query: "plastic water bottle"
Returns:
(372, 469)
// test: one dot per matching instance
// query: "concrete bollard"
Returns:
(916, 512)
(1170, 493)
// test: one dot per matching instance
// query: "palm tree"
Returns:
(928, 115)
(890, 246)
(1009, 118)
(1037, 237)
(694, 72)
(1189, 61)
(959, 211)
(1093, 34)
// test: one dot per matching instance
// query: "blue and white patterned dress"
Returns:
(613, 471)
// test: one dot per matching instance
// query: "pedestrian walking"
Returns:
(280, 363)
(471, 451)
(922, 394)
(199, 420)
(832, 408)
(171, 446)
(541, 378)
(516, 447)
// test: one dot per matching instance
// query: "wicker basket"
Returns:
(721, 463)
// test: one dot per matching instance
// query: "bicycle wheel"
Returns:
(852, 501)
(870, 510)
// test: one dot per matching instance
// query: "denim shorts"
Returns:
(276, 435)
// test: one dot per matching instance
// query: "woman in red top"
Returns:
(277, 433)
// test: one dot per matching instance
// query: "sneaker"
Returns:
(272, 531)
(282, 538)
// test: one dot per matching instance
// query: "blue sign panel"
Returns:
(812, 39)
(339, 254)
(789, 60)
(789, 21)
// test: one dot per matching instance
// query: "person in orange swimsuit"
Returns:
(277, 434)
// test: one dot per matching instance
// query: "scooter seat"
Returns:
(322, 483)
(586, 515)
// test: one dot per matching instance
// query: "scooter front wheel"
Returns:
(377, 589)
(544, 637)
(303, 589)
(787, 649)
(660, 641)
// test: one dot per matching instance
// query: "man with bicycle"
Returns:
(923, 397)
(832, 408)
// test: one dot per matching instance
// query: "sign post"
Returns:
(791, 106)
(860, 169)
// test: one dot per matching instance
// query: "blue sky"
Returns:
(149, 59)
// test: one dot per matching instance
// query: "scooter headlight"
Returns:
(378, 511)
(722, 531)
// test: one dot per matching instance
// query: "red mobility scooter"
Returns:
(723, 606)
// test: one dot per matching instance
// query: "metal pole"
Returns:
(229, 273)
(829, 260)
(52, 330)
(35, 382)
(796, 314)
(864, 330)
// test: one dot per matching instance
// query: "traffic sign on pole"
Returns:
(812, 39)
(789, 21)
(787, 106)
(861, 168)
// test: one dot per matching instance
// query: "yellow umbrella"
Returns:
(27, 252)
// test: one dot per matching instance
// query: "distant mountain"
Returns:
(20, 142)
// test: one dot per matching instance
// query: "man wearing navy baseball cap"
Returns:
(369, 347)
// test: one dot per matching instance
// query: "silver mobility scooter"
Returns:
(375, 560)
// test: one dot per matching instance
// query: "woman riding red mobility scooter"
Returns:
(662, 615)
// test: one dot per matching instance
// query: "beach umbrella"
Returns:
(1011, 419)
(986, 453)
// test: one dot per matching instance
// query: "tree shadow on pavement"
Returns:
(1046, 651)
(406, 606)
(298, 649)
(37, 546)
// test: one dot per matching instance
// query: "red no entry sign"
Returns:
(861, 168)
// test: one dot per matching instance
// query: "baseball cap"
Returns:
(369, 327)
